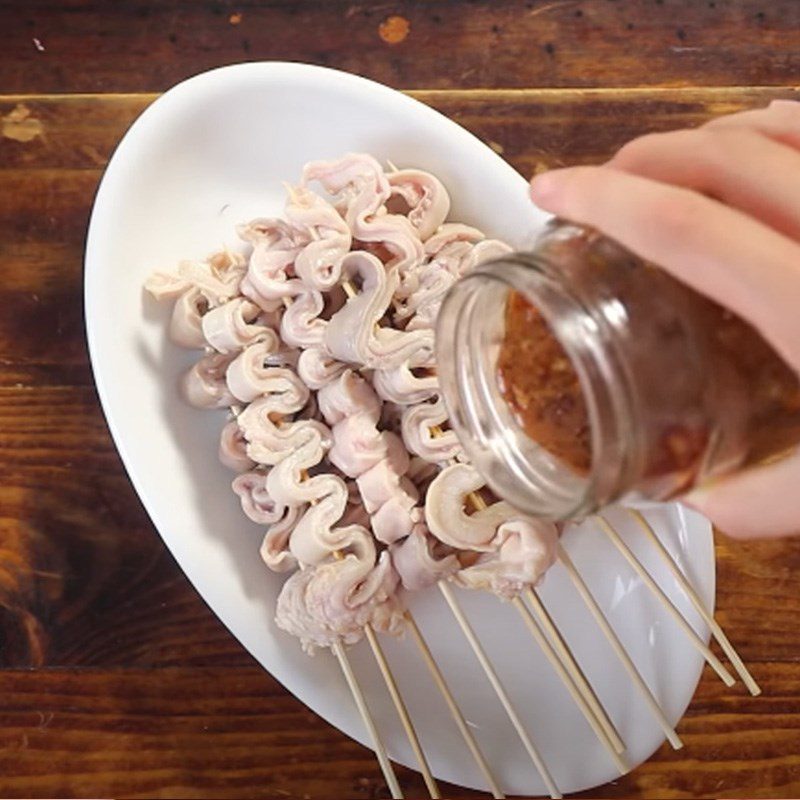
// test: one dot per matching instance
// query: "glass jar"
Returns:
(577, 374)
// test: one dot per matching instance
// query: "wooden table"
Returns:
(116, 679)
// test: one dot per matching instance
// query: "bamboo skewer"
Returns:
(402, 712)
(400, 706)
(645, 576)
(563, 674)
(697, 602)
(363, 709)
(566, 667)
(619, 650)
(366, 716)
(570, 672)
(455, 711)
(389, 680)
(361, 704)
(488, 669)
(575, 671)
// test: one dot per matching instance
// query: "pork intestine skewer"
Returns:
(376, 459)
(363, 188)
(366, 582)
(216, 278)
(353, 333)
(370, 595)
(294, 448)
(530, 551)
(307, 600)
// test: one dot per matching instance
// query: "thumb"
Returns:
(760, 502)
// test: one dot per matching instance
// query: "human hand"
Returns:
(719, 208)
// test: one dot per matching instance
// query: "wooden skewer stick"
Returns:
(389, 680)
(647, 579)
(575, 671)
(399, 704)
(402, 712)
(616, 645)
(563, 674)
(366, 716)
(565, 665)
(391, 685)
(360, 701)
(696, 601)
(505, 701)
(570, 672)
(455, 711)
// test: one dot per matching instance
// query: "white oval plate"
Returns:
(212, 152)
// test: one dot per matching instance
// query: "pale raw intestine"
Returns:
(319, 338)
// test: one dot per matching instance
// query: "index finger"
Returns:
(722, 253)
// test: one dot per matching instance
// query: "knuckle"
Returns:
(678, 214)
(640, 150)
(711, 153)
(579, 183)
(701, 148)
(706, 148)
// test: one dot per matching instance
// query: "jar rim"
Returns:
(514, 466)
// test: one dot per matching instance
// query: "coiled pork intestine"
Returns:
(310, 435)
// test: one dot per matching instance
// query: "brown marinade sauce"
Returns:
(541, 387)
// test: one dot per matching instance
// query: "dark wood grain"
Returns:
(224, 733)
(136, 45)
(83, 579)
(137, 689)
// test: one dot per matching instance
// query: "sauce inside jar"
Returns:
(540, 385)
